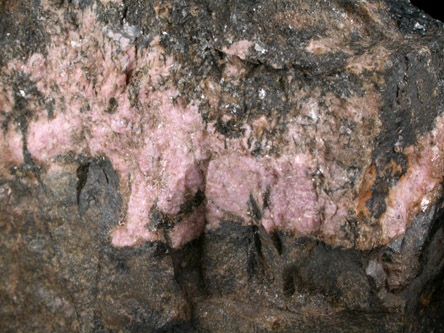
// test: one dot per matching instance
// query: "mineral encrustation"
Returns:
(221, 166)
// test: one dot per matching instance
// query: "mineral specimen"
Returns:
(220, 165)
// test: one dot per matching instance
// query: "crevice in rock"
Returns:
(254, 210)
(277, 242)
(188, 268)
(288, 286)
(82, 175)
(254, 252)
(188, 273)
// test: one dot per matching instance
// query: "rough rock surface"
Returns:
(221, 166)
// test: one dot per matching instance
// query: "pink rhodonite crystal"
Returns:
(115, 100)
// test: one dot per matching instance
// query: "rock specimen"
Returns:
(221, 166)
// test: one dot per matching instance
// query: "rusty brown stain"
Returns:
(365, 192)
(393, 168)
(426, 298)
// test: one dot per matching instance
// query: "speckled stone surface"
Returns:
(220, 166)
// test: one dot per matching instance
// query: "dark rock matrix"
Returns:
(221, 166)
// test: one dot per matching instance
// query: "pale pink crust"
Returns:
(188, 228)
(326, 45)
(234, 180)
(50, 138)
(293, 201)
(157, 146)
(239, 49)
(231, 179)
(135, 228)
(374, 60)
(234, 69)
(419, 188)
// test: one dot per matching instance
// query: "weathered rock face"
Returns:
(221, 166)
